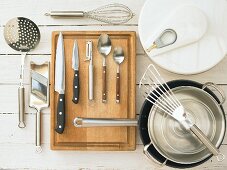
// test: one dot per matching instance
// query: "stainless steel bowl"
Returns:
(179, 145)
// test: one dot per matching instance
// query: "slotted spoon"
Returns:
(23, 35)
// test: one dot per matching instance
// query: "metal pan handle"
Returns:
(218, 89)
(151, 158)
(101, 122)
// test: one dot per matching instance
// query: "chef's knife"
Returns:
(75, 66)
(60, 84)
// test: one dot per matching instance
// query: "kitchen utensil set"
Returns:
(23, 35)
(117, 138)
(112, 14)
(104, 48)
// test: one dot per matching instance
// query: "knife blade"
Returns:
(75, 66)
(60, 84)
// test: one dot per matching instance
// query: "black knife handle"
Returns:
(60, 114)
(76, 87)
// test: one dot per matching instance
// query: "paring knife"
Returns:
(60, 84)
(75, 66)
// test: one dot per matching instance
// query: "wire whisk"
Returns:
(112, 14)
(156, 91)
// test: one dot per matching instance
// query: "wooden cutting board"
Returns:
(96, 138)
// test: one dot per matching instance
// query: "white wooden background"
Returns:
(17, 147)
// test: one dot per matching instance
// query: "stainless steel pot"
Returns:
(162, 159)
(176, 143)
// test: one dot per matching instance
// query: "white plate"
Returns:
(195, 57)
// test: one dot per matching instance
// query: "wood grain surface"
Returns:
(95, 138)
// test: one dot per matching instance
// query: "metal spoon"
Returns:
(119, 57)
(104, 48)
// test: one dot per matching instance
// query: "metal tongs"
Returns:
(90, 69)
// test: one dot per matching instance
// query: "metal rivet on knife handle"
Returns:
(60, 114)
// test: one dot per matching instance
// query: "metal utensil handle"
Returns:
(66, 14)
(104, 84)
(203, 138)
(21, 91)
(90, 85)
(219, 90)
(38, 129)
(94, 122)
(151, 158)
(118, 88)
(21, 107)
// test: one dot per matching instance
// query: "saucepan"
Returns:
(166, 142)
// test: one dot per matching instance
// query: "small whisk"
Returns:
(157, 92)
(112, 14)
